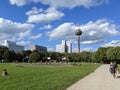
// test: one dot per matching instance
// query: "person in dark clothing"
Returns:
(113, 69)
(4, 72)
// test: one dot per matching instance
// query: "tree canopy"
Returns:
(103, 54)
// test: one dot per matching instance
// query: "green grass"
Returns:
(42, 77)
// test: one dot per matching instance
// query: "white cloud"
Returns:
(7, 26)
(90, 41)
(13, 30)
(22, 2)
(48, 15)
(74, 3)
(45, 27)
(63, 30)
(88, 49)
(49, 49)
(113, 43)
(26, 44)
(75, 49)
(93, 32)
(62, 3)
(34, 11)
(23, 43)
(18, 2)
(35, 36)
(22, 35)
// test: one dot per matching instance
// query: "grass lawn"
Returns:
(42, 77)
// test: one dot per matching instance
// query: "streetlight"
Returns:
(78, 33)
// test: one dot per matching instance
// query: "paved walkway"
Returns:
(101, 79)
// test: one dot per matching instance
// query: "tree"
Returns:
(52, 55)
(26, 53)
(44, 56)
(77, 57)
(2, 51)
(10, 56)
(86, 56)
(58, 56)
(118, 53)
(19, 57)
(34, 57)
(72, 57)
(100, 54)
(113, 54)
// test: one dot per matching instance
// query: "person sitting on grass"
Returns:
(4, 72)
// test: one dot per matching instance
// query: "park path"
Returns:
(100, 79)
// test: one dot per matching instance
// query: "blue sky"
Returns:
(47, 22)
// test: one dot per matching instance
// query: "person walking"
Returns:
(113, 69)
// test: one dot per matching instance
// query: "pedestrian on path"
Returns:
(113, 68)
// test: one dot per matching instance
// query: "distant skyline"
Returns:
(48, 22)
(65, 46)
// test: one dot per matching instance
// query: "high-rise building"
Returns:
(69, 45)
(64, 47)
(13, 46)
(38, 48)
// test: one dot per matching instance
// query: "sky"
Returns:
(47, 22)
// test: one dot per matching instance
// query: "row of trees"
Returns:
(101, 55)
(107, 54)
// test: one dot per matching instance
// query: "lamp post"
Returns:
(78, 33)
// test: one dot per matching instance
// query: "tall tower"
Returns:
(78, 33)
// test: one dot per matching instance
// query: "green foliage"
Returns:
(118, 53)
(86, 56)
(10, 56)
(26, 53)
(113, 53)
(103, 54)
(2, 51)
(42, 78)
(53, 55)
(100, 54)
(109, 53)
(19, 57)
(70, 56)
(34, 57)
(94, 57)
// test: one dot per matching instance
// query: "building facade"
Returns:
(38, 48)
(13, 46)
(69, 47)
(64, 47)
